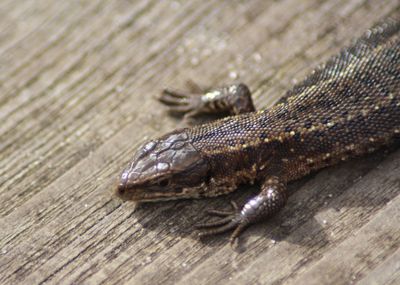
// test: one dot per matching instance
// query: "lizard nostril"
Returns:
(122, 182)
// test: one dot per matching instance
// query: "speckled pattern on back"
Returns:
(347, 107)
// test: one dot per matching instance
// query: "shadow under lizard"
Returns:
(347, 107)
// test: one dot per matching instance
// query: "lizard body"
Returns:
(347, 107)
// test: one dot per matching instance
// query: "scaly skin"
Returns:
(348, 107)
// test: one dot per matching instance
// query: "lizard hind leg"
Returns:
(269, 201)
(234, 99)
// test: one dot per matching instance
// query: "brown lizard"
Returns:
(347, 107)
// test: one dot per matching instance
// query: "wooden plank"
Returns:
(77, 86)
(359, 253)
(388, 272)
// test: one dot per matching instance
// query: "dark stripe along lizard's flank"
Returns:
(348, 107)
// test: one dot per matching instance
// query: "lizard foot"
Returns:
(269, 201)
(181, 102)
(229, 220)
(233, 99)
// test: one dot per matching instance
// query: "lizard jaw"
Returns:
(143, 195)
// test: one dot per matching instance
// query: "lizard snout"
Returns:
(123, 180)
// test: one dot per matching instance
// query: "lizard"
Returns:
(347, 107)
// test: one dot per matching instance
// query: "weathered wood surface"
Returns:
(77, 87)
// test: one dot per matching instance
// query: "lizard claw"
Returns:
(180, 102)
(236, 223)
(219, 213)
(230, 220)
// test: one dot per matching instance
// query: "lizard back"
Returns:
(347, 107)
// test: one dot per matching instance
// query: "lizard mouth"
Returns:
(142, 195)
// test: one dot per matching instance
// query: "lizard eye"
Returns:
(163, 183)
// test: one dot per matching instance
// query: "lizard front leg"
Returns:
(270, 200)
(234, 99)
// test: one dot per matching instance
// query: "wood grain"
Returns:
(77, 84)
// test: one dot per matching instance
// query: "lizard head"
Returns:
(164, 169)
